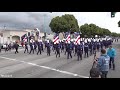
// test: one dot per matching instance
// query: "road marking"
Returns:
(45, 67)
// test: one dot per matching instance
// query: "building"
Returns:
(8, 35)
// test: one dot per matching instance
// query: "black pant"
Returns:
(104, 74)
(53, 49)
(75, 52)
(112, 62)
(35, 48)
(31, 51)
(94, 50)
(79, 54)
(90, 51)
(65, 51)
(26, 48)
(6, 49)
(39, 50)
(0, 50)
(48, 52)
(86, 52)
(69, 54)
(16, 50)
(58, 53)
(62, 49)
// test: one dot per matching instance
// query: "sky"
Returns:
(41, 20)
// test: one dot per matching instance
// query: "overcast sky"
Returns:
(41, 20)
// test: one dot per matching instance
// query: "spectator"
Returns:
(111, 53)
(103, 63)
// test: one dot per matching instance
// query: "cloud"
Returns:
(42, 19)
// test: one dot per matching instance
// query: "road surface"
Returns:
(42, 66)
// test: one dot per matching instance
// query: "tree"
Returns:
(118, 34)
(113, 34)
(57, 24)
(92, 30)
(85, 30)
(106, 32)
(64, 23)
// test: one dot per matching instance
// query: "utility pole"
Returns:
(3, 33)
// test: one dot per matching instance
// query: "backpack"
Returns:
(94, 71)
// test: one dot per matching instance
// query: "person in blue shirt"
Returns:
(62, 46)
(98, 46)
(69, 49)
(57, 49)
(35, 46)
(66, 45)
(39, 47)
(86, 49)
(111, 52)
(48, 48)
(31, 47)
(75, 49)
(26, 47)
(42, 46)
(79, 51)
(94, 47)
(101, 44)
(90, 47)
(103, 63)
(73, 46)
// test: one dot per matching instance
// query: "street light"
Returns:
(3, 33)
(44, 26)
(113, 14)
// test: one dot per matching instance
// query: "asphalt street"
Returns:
(42, 66)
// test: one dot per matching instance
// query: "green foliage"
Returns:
(69, 22)
(92, 30)
(64, 23)
(115, 34)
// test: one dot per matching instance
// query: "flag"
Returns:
(56, 38)
(25, 39)
(67, 37)
(22, 37)
(77, 39)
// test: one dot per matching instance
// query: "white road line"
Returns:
(53, 69)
